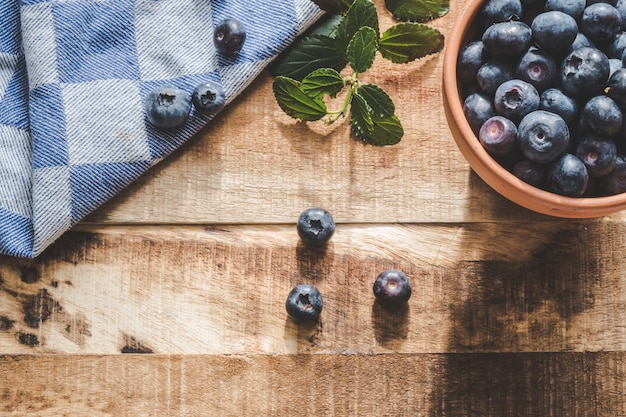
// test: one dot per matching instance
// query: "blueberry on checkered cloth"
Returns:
(73, 75)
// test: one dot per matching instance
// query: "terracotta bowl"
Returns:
(497, 177)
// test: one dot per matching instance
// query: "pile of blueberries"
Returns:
(544, 89)
(169, 107)
(304, 303)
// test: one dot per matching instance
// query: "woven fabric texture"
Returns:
(73, 77)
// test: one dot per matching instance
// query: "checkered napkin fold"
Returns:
(73, 76)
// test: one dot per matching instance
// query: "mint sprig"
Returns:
(308, 75)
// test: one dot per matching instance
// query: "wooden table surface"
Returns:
(169, 300)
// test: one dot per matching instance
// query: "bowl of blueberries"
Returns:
(535, 97)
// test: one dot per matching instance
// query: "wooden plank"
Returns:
(547, 286)
(256, 165)
(498, 385)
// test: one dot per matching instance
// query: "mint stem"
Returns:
(352, 83)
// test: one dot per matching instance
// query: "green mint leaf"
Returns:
(322, 81)
(361, 13)
(386, 131)
(334, 6)
(362, 48)
(360, 117)
(295, 102)
(417, 10)
(405, 42)
(377, 99)
(314, 52)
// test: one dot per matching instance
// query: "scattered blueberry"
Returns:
(599, 154)
(542, 136)
(229, 36)
(304, 303)
(315, 226)
(498, 135)
(167, 107)
(392, 288)
(515, 98)
(567, 176)
(208, 97)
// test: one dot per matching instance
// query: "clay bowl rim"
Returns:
(496, 176)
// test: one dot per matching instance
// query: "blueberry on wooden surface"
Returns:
(229, 36)
(315, 226)
(304, 303)
(392, 288)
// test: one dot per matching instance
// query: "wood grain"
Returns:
(190, 290)
(435, 385)
(169, 299)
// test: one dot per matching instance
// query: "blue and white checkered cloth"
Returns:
(73, 75)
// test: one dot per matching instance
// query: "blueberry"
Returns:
(616, 87)
(498, 135)
(493, 73)
(573, 8)
(515, 98)
(392, 288)
(598, 153)
(538, 68)
(554, 30)
(530, 172)
(167, 107)
(602, 115)
(315, 226)
(471, 57)
(616, 47)
(542, 136)
(507, 39)
(229, 36)
(477, 108)
(556, 101)
(620, 5)
(584, 72)
(208, 97)
(614, 65)
(567, 176)
(615, 181)
(579, 41)
(304, 303)
(496, 11)
(600, 22)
